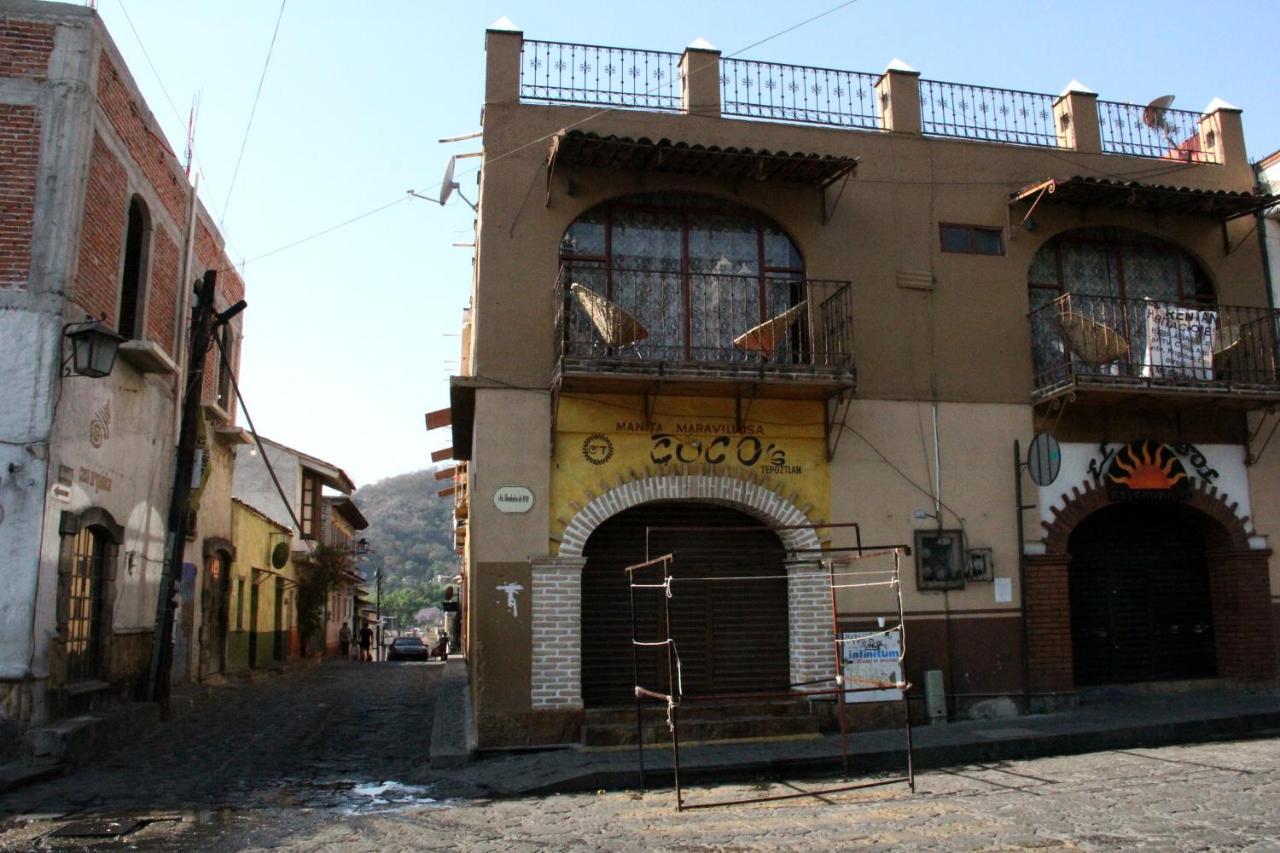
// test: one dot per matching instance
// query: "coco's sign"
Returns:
(746, 450)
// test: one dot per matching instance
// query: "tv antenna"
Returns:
(448, 186)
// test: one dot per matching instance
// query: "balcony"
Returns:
(641, 331)
(1108, 349)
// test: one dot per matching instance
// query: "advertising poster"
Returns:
(872, 657)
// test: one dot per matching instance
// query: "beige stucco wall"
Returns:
(963, 341)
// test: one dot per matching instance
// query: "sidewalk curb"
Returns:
(452, 742)
(1038, 745)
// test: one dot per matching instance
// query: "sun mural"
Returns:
(1146, 466)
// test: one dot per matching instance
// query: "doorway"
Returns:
(731, 635)
(1141, 608)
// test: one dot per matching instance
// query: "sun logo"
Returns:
(1147, 466)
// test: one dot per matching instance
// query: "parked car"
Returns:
(408, 648)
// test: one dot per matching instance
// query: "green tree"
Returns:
(315, 583)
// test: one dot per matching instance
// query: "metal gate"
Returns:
(732, 637)
(1140, 600)
(85, 588)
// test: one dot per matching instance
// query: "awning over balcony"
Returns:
(1101, 192)
(581, 148)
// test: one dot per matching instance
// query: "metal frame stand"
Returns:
(674, 696)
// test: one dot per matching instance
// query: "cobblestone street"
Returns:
(336, 757)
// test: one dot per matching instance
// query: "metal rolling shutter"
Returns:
(732, 636)
(1140, 603)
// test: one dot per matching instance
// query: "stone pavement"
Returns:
(1206, 796)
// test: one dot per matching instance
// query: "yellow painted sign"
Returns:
(603, 441)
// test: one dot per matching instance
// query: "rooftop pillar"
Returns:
(502, 46)
(1222, 135)
(700, 79)
(1075, 115)
(899, 92)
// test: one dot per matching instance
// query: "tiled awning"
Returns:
(1102, 192)
(581, 148)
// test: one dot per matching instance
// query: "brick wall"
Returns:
(162, 293)
(1241, 591)
(147, 148)
(102, 240)
(19, 157)
(557, 635)
(25, 47)
(1047, 608)
(809, 619)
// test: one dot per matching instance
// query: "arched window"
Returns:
(1097, 293)
(695, 271)
(133, 282)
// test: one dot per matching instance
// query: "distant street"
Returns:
(334, 757)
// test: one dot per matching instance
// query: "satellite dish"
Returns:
(1153, 114)
(447, 183)
(280, 555)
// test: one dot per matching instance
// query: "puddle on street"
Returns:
(354, 797)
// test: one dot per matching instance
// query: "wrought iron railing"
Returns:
(984, 113)
(1152, 131)
(618, 320)
(778, 92)
(1106, 340)
(558, 72)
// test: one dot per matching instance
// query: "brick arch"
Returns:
(1089, 497)
(749, 496)
(1239, 582)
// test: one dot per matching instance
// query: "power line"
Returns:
(252, 111)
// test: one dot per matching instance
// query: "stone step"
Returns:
(710, 723)
(700, 711)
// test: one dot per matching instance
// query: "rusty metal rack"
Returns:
(661, 580)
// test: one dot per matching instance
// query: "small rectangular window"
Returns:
(972, 239)
(310, 493)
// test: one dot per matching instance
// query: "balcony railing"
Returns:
(699, 325)
(1152, 132)
(1144, 344)
(987, 114)
(798, 93)
(559, 72)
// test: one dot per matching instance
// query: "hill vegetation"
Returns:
(411, 540)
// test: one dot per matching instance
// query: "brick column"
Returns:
(556, 678)
(809, 621)
(1046, 606)
(1075, 114)
(1240, 588)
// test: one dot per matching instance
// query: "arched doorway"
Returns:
(732, 636)
(1140, 594)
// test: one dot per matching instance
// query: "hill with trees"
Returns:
(410, 536)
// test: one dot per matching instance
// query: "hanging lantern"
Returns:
(93, 348)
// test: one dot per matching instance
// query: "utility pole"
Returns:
(203, 322)
(378, 654)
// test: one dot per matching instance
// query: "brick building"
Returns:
(663, 334)
(98, 220)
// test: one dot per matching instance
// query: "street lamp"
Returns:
(93, 348)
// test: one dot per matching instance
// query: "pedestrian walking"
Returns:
(344, 640)
(366, 642)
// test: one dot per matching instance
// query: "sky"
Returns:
(350, 336)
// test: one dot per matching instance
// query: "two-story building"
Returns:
(312, 517)
(98, 222)
(662, 335)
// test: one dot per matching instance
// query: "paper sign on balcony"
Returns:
(1180, 342)
(513, 499)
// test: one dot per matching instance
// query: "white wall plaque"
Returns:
(1003, 590)
(513, 499)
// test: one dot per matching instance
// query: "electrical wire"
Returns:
(225, 360)
(252, 112)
